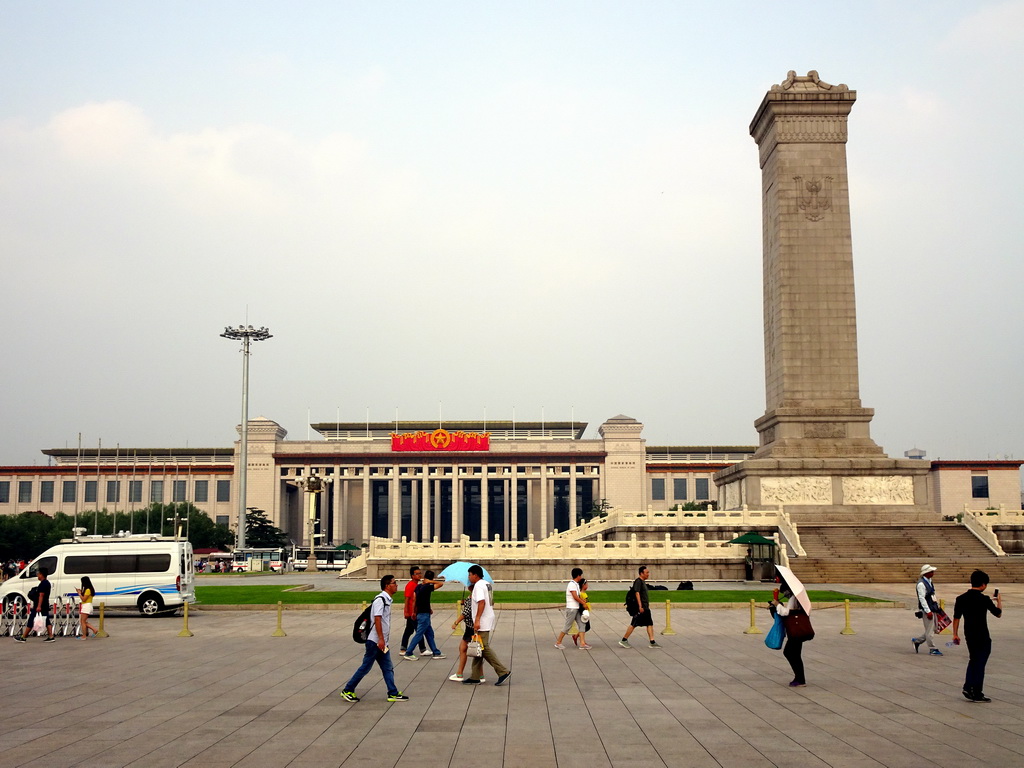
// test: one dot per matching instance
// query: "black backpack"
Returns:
(361, 629)
(632, 602)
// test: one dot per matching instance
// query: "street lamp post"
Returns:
(245, 334)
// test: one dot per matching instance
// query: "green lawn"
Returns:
(270, 594)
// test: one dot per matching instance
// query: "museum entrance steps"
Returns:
(871, 553)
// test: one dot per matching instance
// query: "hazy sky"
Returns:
(538, 205)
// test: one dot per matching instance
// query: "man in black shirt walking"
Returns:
(974, 606)
(40, 597)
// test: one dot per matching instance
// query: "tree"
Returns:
(597, 509)
(260, 532)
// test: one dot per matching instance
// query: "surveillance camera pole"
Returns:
(245, 334)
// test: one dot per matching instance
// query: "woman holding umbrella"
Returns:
(794, 608)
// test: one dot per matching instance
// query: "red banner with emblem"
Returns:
(441, 440)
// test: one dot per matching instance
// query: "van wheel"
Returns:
(150, 604)
(18, 600)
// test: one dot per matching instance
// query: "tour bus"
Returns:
(259, 559)
(327, 559)
(152, 573)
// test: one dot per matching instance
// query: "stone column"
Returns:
(543, 522)
(367, 526)
(425, 512)
(457, 526)
(572, 495)
(513, 521)
(484, 527)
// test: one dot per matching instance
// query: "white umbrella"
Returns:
(799, 590)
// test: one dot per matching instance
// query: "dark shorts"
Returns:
(643, 619)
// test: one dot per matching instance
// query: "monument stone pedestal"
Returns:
(815, 449)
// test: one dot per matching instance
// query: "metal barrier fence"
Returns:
(64, 618)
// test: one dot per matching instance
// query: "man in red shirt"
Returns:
(415, 575)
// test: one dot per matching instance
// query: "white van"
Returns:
(151, 573)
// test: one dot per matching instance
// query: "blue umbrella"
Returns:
(460, 572)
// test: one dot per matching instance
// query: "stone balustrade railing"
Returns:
(1001, 516)
(568, 551)
(980, 522)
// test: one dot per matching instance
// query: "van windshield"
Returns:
(49, 563)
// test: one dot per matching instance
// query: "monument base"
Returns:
(839, 489)
(816, 432)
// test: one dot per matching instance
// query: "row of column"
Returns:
(424, 489)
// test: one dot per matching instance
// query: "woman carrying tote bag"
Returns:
(794, 607)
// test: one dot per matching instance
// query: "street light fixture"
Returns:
(245, 334)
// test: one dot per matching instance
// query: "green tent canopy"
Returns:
(346, 547)
(752, 538)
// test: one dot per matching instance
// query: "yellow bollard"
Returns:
(752, 629)
(279, 632)
(668, 619)
(942, 607)
(185, 631)
(847, 630)
(458, 612)
(101, 632)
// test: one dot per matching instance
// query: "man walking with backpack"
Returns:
(377, 644)
(638, 605)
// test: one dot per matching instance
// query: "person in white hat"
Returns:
(927, 605)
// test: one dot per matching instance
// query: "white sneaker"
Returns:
(455, 678)
(426, 653)
(559, 646)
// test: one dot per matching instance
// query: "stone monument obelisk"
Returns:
(815, 449)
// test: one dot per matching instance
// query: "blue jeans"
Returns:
(373, 653)
(423, 631)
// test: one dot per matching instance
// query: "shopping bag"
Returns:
(39, 624)
(776, 634)
(942, 620)
(475, 647)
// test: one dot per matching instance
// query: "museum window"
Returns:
(69, 490)
(223, 490)
(679, 489)
(979, 486)
(24, 491)
(46, 492)
(178, 490)
(156, 491)
(90, 491)
(701, 487)
(202, 491)
(113, 491)
(658, 489)
(224, 520)
(134, 491)
(5, 491)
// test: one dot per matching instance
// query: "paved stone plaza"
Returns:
(713, 696)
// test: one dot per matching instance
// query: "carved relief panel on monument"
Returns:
(878, 490)
(796, 490)
(732, 495)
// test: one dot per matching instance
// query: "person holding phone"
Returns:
(973, 606)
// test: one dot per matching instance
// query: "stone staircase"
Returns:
(889, 553)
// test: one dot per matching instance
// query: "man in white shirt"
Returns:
(483, 625)
(377, 644)
(573, 608)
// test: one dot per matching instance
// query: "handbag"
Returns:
(798, 626)
(942, 620)
(475, 647)
(776, 634)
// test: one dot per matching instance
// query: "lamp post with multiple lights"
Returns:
(245, 334)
